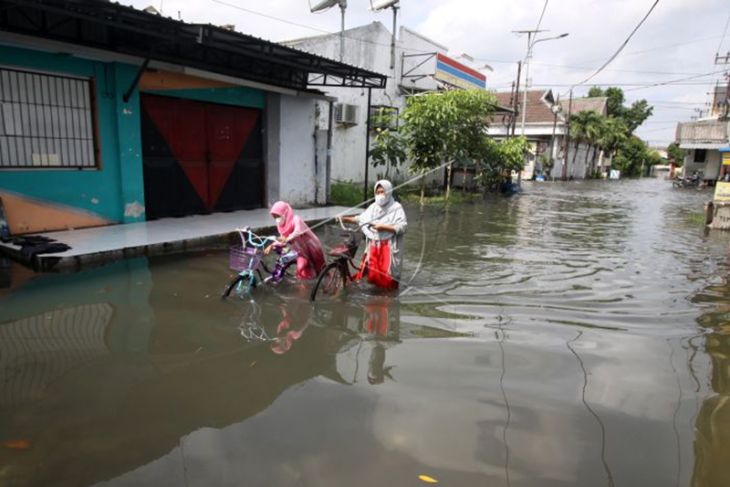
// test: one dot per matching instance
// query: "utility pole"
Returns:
(567, 136)
(517, 98)
(530, 33)
(724, 60)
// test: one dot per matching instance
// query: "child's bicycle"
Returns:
(246, 259)
(336, 275)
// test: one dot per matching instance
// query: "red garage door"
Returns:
(200, 157)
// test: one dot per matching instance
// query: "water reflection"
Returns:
(712, 425)
(535, 349)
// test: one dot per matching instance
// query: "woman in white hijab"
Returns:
(383, 223)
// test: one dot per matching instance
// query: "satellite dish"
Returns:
(325, 4)
(382, 4)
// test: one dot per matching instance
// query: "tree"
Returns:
(495, 161)
(444, 127)
(617, 137)
(584, 128)
(631, 156)
(675, 154)
(389, 147)
(613, 134)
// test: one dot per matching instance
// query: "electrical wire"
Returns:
(621, 47)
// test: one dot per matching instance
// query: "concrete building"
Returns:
(546, 129)
(418, 64)
(115, 115)
(702, 141)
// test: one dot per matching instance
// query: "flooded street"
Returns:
(576, 334)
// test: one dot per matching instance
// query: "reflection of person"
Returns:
(294, 320)
(383, 223)
(293, 231)
(382, 322)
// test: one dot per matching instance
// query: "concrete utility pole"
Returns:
(567, 136)
(530, 45)
(725, 60)
(516, 98)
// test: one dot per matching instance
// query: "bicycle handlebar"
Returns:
(254, 240)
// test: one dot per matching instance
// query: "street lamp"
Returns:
(379, 5)
(324, 5)
(530, 44)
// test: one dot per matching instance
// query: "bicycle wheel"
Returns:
(242, 283)
(330, 283)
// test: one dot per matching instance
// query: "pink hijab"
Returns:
(287, 225)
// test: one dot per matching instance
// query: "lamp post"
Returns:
(530, 45)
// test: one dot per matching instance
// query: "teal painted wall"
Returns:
(238, 96)
(118, 183)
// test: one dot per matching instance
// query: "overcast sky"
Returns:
(678, 40)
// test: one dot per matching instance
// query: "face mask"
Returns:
(380, 199)
(278, 220)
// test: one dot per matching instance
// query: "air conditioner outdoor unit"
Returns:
(346, 114)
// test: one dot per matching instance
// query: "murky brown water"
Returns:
(574, 335)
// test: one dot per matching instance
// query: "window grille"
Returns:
(46, 121)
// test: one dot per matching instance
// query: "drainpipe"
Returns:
(367, 147)
(328, 164)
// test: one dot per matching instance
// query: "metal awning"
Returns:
(702, 145)
(125, 30)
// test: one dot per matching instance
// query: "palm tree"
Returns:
(583, 127)
(613, 133)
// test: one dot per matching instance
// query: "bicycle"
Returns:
(247, 258)
(336, 275)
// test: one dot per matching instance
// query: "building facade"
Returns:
(97, 127)
(417, 64)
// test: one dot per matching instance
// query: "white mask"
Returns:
(381, 199)
(278, 220)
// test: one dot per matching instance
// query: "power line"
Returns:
(724, 32)
(621, 47)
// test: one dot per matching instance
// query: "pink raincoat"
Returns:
(311, 258)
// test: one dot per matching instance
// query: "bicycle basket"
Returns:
(240, 258)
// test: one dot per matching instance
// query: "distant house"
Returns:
(702, 141)
(546, 129)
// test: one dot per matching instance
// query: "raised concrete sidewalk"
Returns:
(93, 246)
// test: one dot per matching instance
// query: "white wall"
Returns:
(291, 174)
(367, 47)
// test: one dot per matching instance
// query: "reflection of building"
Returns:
(115, 115)
(712, 424)
(545, 129)
(36, 351)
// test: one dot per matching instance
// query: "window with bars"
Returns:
(46, 121)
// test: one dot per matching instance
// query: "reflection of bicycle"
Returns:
(246, 260)
(336, 275)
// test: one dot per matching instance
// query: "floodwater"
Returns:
(577, 334)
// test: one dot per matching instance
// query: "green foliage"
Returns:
(613, 134)
(616, 133)
(447, 126)
(346, 193)
(631, 156)
(389, 146)
(495, 161)
(637, 114)
(675, 154)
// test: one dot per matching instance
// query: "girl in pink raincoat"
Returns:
(296, 233)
